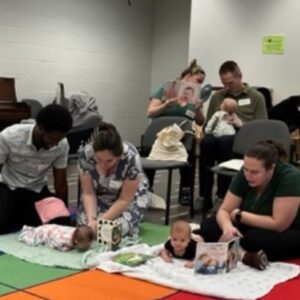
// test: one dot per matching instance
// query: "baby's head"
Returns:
(83, 237)
(180, 235)
(229, 105)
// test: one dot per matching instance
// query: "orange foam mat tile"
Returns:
(188, 296)
(20, 296)
(96, 284)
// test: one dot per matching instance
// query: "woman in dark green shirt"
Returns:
(261, 206)
(164, 103)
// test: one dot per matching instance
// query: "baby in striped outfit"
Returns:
(63, 238)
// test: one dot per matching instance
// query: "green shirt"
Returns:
(284, 183)
(176, 110)
(251, 104)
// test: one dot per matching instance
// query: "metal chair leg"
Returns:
(168, 198)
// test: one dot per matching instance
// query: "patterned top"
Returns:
(23, 165)
(108, 188)
(218, 125)
(52, 235)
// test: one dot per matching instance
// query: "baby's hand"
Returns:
(165, 255)
(189, 264)
(168, 259)
(236, 121)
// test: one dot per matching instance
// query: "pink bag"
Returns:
(51, 208)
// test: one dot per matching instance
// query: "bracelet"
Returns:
(238, 217)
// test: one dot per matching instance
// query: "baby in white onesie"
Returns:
(220, 123)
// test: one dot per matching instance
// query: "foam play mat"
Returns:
(22, 280)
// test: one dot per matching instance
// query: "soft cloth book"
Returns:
(131, 259)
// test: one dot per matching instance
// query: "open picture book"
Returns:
(216, 258)
(177, 88)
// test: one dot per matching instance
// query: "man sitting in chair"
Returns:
(27, 152)
(250, 106)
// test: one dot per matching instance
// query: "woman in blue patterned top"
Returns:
(113, 184)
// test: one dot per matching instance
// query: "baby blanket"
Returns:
(241, 283)
(46, 256)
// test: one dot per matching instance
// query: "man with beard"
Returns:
(27, 152)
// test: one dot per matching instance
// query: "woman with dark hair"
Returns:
(112, 181)
(261, 206)
(170, 104)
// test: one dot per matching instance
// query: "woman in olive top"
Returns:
(261, 206)
(171, 105)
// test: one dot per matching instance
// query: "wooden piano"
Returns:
(11, 111)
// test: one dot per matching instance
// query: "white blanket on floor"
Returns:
(241, 283)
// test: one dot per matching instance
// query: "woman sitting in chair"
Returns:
(261, 206)
(168, 103)
(112, 181)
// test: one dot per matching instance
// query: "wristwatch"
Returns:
(238, 217)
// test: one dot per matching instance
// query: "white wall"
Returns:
(100, 46)
(233, 29)
(171, 22)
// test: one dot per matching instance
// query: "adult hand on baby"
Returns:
(93, 224)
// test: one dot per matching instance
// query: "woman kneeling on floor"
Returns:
(262, 207)
(113, 184)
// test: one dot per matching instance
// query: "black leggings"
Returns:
(17, 208)
(213, 149)
(277, 245)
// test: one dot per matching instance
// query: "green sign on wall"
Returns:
(273, 44)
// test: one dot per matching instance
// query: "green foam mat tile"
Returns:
(5, 289)
(153, 233)
(20, 274)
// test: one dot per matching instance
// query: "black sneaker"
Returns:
(257, 260)
(185, 196)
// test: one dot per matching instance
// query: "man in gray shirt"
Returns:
(27, 152)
